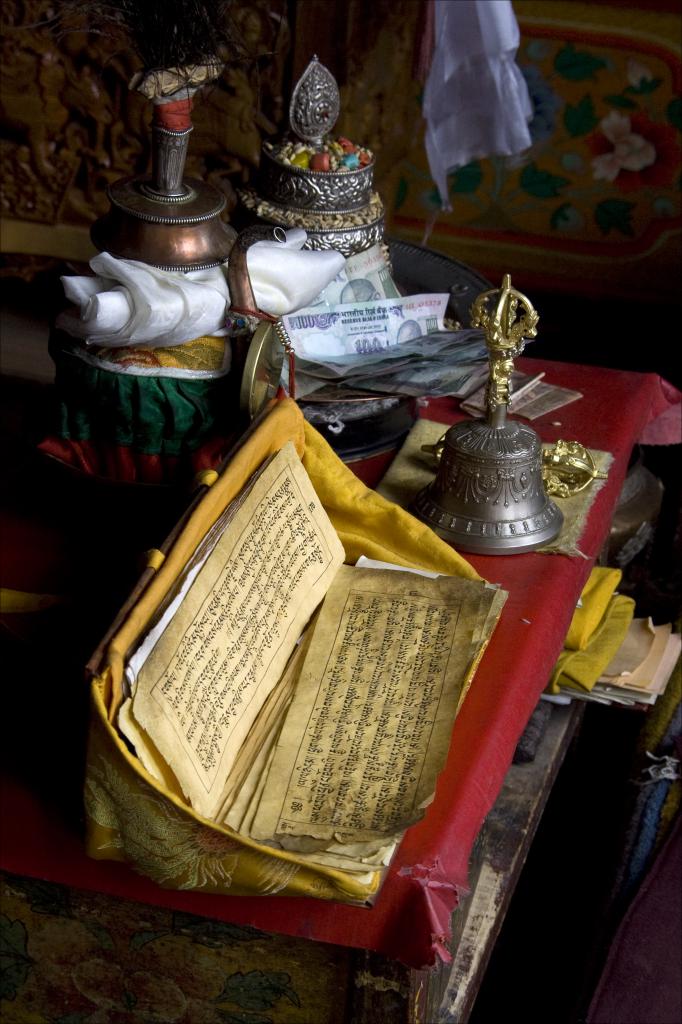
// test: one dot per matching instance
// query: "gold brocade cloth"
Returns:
(133, 818)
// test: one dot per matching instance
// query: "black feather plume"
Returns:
(163, 33)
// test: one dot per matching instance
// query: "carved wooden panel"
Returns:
(69, 124)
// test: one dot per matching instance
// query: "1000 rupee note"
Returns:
(364, 277)
(363, 329)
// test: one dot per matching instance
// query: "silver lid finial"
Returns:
(315, 103)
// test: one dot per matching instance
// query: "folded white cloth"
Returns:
(285, 276)
(131, 303)
(476, 101)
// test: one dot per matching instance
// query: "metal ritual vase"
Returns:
(488, 496)
(171, 222)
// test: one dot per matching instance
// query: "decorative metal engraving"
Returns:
(347, 241)
(508, 473)
(315, 103)
(347, 232)
(504, 487)
(478, 534)
(169, 151)
(514, 439)
(315, 191)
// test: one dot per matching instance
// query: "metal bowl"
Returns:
(314, 191)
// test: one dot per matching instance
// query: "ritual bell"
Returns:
(488, 496)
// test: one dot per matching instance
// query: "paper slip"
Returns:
(544, 398)
(531, 397)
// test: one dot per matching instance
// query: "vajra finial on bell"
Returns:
(508, 320)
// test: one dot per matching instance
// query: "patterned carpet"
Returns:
(74, 957)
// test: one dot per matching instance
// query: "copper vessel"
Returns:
(163, 219)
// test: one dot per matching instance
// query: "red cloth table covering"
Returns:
(410, 920)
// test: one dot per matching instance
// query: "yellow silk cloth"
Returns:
(130, 816)
(22, 602)
(594, 601)
(596, 632)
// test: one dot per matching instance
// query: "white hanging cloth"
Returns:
(131, 303)
(476, 102)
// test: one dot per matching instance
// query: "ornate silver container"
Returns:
(337, 208)
(348, 233)
(488, 496)
(314, 191)
(349, 240)
(353, 239)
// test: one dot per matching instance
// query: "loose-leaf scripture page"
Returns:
(200, 689)
(371, 719)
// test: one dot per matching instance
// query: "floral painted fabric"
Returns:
(76, 957)
(595, 202)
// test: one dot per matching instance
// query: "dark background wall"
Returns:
(600, 258)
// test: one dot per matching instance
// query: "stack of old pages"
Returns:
(303, 703)
(609, 657)
(640, 671)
